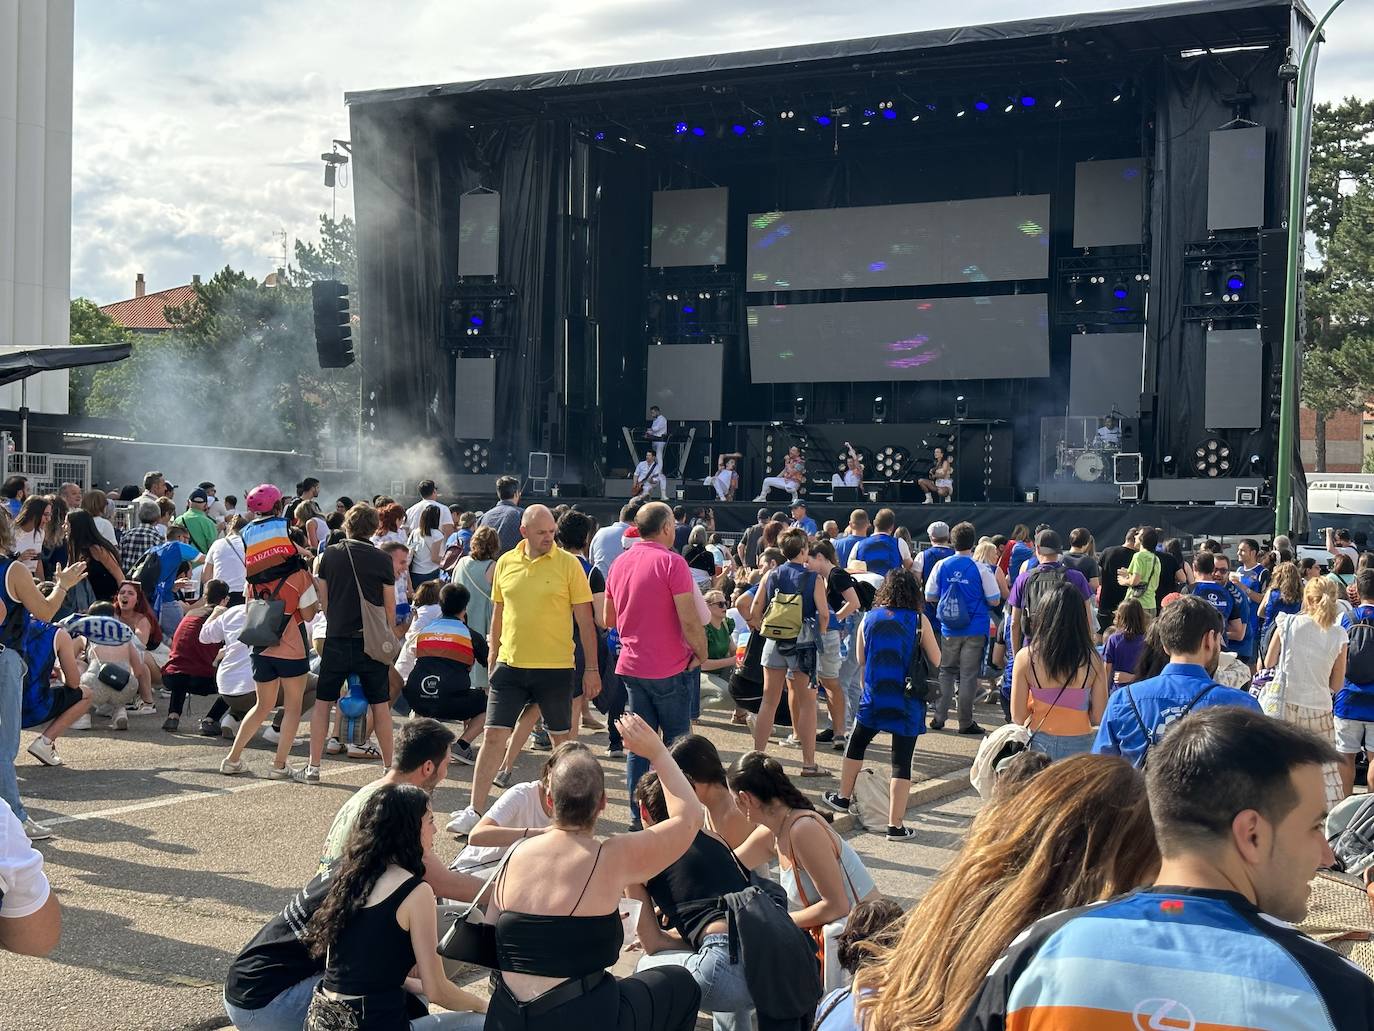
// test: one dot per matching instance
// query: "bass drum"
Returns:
(1089, 467)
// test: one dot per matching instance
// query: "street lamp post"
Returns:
(1288, 401)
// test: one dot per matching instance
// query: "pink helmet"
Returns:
(263, 498)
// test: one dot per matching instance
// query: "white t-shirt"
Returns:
(659, 427)
(518, 806)
(321, 532)
(1312, 652)
(849, 478)
(22, 880)
(399, 536)
(647, 473)
(1346, 549)
(420, 560)
(226, 555)
(234, 674)
(413, 514)
(106, 529)
(29, 540)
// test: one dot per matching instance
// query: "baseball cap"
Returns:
(1048, 540)
(198, 495)
(263, 498)
(799, 503)
(938, 530)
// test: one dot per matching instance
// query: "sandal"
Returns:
(814, 771)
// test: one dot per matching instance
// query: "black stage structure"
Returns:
(988, 239)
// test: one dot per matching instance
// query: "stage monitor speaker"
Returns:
(1127, 468)
(697, 492)
(1247, 495)
(1104, 373)
(1130, 491)
(1235, 178)
(479, 234)
(1234, 378)
(474, 398)
(845, 495)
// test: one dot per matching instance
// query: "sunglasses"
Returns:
(716, 604)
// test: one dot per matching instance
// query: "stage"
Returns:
(996, 241)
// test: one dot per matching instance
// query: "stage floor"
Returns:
(1108, 523)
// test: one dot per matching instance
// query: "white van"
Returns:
(1340, 501)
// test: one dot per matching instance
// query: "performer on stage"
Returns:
(658, 432)
(791, 478)
(853, 475)
(941, 479)
(726, 479)
(648, 473)
(1108, 432)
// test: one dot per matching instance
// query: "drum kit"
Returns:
(1088, 462)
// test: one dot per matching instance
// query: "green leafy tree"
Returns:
(89, 326)
(1337, 364)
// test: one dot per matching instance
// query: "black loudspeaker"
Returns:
(333, 326)
(982, 462)
(778, 498)
(1130, 435)
(849, 495)
(1273, 266)
(698, 492)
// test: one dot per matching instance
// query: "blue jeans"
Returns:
(724, 991)
(666, 706)
(11, 716)
(288, 1010)
(1062, 746)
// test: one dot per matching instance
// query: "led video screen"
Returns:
(684, 380)
(936, 338)
(995, 239)
(479, 234)
(1108, 203)
(688, 227)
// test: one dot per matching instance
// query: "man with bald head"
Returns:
(537, 592)
(651, 600)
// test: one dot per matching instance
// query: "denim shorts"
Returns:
(722, 983)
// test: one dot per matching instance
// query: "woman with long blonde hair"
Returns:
(1307, 653)
(1076, 834)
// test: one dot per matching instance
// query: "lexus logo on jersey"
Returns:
(1163, 1015)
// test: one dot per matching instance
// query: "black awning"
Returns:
(19, 365)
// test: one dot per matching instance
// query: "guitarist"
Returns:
(648, 473)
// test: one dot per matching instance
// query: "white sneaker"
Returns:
(142, 709)
(791, 740)
(84, 723)
(230, 768)
(287, 772)
(463, 822)
(228, 726)
(333, 746)
(364, 751)
(271, 736)
(44, 751)
(761, 497)
(120, 720)
(36, 831)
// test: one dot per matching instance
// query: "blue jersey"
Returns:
(960, 573)
(1021, 553)
(806, 523)
(844, 547)
(170, 556)
(1223, 599)
(1169, 958)
(890, 638)
(880, 553)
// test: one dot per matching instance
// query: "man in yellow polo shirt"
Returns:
(537, 591)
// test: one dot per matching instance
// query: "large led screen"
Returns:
(938, 338)
(688, 227)
(684, 380)
(995, 239)
(479, 234)
(1108, 202)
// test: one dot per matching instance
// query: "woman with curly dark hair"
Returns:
(378, 920)
(888, 638)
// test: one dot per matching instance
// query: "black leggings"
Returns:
(903, 748)
(658, 999)
(182, 684)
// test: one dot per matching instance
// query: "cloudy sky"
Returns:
(199, 123)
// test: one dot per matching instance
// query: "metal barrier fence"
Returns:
(48, 472)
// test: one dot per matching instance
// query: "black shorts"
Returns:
(344, 655)
(450, 705)
(198, 686)
(63, 698)
(510, 689)
(267, 668)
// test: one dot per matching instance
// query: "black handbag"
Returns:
(469, 938)
(265, 619)
(113, 676)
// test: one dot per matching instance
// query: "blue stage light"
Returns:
(822, 119)
(1236, 283)
(1027, 101)
(738, 130)
(980, 105)
(476, 320)
(889, 114)
(758, 123)
(600, 136)
(1120, 290)
(680, 128)
(1235, 279)
(698, 131)
(687, 309)
(869, 112)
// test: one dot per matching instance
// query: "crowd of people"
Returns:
(1174, 735)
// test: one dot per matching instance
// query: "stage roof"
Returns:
(1098, 36)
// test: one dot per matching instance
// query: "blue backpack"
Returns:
(953, 610)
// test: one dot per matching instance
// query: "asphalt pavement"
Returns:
(165, 867)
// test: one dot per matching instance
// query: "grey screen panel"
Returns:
(479, 234)
(1235, 178)
(1235, 373)
(474, 398)
(689, 227)
(995, 239)
(1108, 203)
(685, 380)
(1104, 372)
(937, 338)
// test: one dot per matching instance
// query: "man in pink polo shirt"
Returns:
(651, 601)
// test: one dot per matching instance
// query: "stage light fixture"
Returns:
(599, 137)
(1075, 290)
(1027, 100)
(915, 118)
(959, 113)
(869, 112)
(960, 407)
(1235, 278)
(738, 130)
(1211, 457)
(822, 119)
(799, 409)
(890, 114)
(885, 105)
(1209, 280)
(1120, 289)
(801, 128)
(680, 128)
(1116, 97)
(758, 123)
(698, 132)
(844, 125)
(879, 409)
(1058, 104)
(1008, 109)
(981, 104)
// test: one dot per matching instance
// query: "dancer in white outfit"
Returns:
(791, 478)
(853, 475)
(725, 480)
(648, 473)
(658, 433)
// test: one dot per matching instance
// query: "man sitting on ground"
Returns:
(1138, 714)
(1239, 805)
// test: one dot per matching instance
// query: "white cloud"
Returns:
(199, 124)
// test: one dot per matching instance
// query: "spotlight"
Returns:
(1027, 100)
(599, 137)
(879, 409)
(1209, 280)
(1211, 457)
(822, 119)
(960, 407)
(1058, 104)
(680, 128)
(698, 131)
(869, 112)
(1116, 97)
(1008, 109)
(915, 118)
(959, 114)
(889, 114)
(1076, 290)
(758, 123)
(799, 409)
(1235, 278)
(981, 105)
(738, 130)
(1120, 290)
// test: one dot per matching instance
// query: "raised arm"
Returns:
(643, 854)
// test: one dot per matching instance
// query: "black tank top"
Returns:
(558, 946)
(373, 955)
(689, 891)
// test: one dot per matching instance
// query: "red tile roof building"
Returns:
(147, 313)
